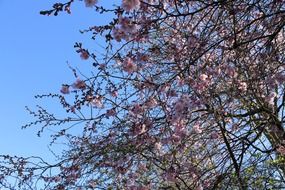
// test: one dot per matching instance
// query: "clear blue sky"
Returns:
(34, 50)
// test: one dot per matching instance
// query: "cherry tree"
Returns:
(187, 94)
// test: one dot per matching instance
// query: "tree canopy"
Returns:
(188, 94)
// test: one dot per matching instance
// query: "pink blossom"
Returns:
(164, 88)
(67, 9)
(114, 93)
(79, 84)
(84, 55)
(72, 109)
(197, 129)
(142, 167)
(90, 3)
(272, 82)
(137, 109)
(137, 187)
(235, 127)
(192, 41)
(200, 187)
(158, 146)
(172, 93)
(139, 129)
(129, 66)
(180, 81)
(215, 135)
(129, 5)
(142, 57)
(280, 78)
(118, 34)
(242, 86)
(170, 175)
(92, 183)
(180, 129)
(231, 72)
(179, 133)
(97, 102)
(102, 66)
(200, 86)
(127, 25)
(111, 112)
(270, 99)
(203, 77)
(281, 150)
(65, 89)
(180, 106)
(151, 103)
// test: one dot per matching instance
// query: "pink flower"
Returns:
(158, 146)
(280, 78)
(203, 77)
(179, 133)
(181, 105)
(137, 109)
(84, 55)
(65, 89)
(92, 183)
(270, 99)
(215, 135)
(136, 187)
(102, 66)
(281, 150)
(139, 129)
(142, 167)
(72, 109)
(170, 175)
(118, 34)
(151, 103)
(114, 93)
(197, 129)
(231, 72)
(97, 102)
(67, 9)
(180, 81)
(172, 93)
(90, 3)
(129, 66)
(128, 27)
(200, 187)
(192, 41)
(79, 84)
(111, 112)
(242, 86)
(129, 5)
(142, 57)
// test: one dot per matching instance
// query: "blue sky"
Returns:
(34, 50)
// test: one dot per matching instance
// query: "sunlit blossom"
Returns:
(79, 84)
(129, 5)
(90, 3)
(65, 89)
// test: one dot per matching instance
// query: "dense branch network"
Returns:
(188, 94)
